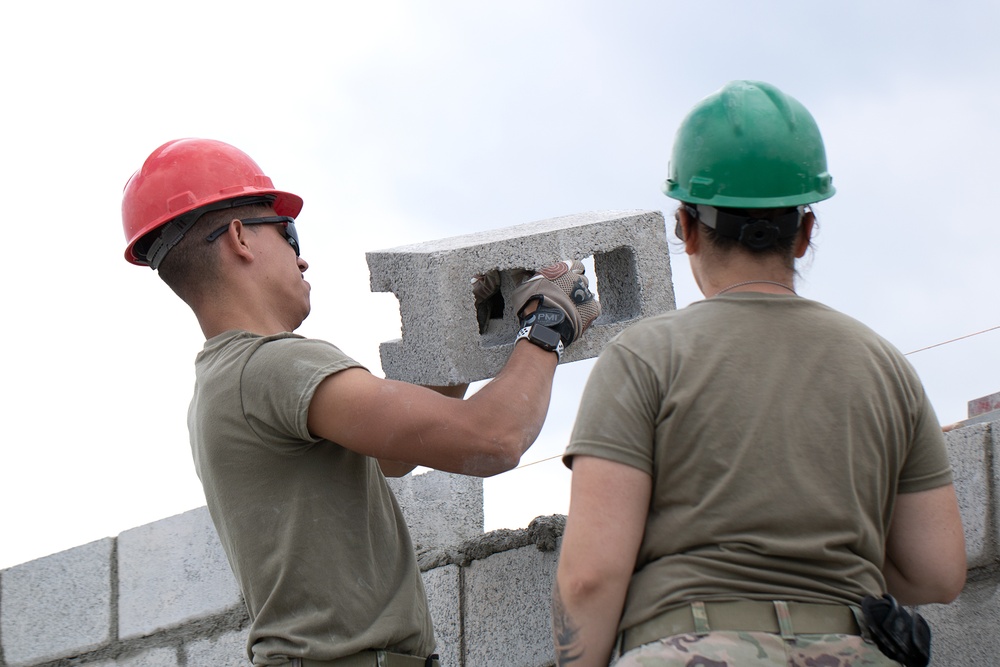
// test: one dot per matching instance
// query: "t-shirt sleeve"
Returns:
(618, 411)
(278, 384)
(927, 465)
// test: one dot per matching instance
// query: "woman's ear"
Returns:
(686, 230)
(804, 238)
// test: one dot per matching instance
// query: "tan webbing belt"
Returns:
(368, 659)
(778, 617)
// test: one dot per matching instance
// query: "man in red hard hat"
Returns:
(292, 439)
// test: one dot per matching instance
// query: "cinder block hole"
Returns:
(612, 276)
(621, 294)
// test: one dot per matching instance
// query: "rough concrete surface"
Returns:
(969, 449)
(172, 572)
(965, 632)
(507, 609)
(164, 656)
(440, 508)
(444, 597)
(225, 650)
(57, 606)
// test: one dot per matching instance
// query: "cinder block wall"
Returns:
(162, 595)
(965, 632)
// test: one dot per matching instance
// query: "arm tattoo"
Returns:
(565, 632)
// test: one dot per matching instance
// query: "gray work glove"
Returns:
(565, 302)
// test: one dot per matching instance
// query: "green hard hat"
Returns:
(749, 145)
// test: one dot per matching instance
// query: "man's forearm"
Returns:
(519, 395)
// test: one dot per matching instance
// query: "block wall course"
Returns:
(444, 598)
(172, 572)
(993, 499)
(984, 418)
(164, 656)
(984, 405)
(440, 342)
(57, 606)
(965, 631)
(507, 609)
(969, 450)
(489, 595)
(225, 650)
(441, 509)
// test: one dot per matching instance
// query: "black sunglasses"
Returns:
(287, 223)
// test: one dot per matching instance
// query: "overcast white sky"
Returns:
(402, 122)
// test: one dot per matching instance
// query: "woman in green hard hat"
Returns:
(748, 470)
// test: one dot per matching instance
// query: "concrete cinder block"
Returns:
(443, 586)
(507, 609)
(226, 650)
(964, 632)
(57, 606)
(984, 405)
(172, 572)
(968, 452)
(992, 501)
(982, 418)
(441, 509)
(441, 343)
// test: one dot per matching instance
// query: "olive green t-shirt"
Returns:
(777, 432)
(312, 531)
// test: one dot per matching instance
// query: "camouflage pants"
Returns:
(756, 649)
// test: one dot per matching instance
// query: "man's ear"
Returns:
(804, 237)
(237, 240)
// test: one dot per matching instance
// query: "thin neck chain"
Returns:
(755, 282)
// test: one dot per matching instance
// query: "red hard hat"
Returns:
(187, 174)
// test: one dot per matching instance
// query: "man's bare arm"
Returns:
(395, 421)
(398, 468)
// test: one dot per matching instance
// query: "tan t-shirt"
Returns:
(311, 529)
(777, 432)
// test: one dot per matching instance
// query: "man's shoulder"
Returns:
(247, 349)
(287, 346)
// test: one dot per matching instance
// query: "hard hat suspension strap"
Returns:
(172, 232)
(757, 233)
